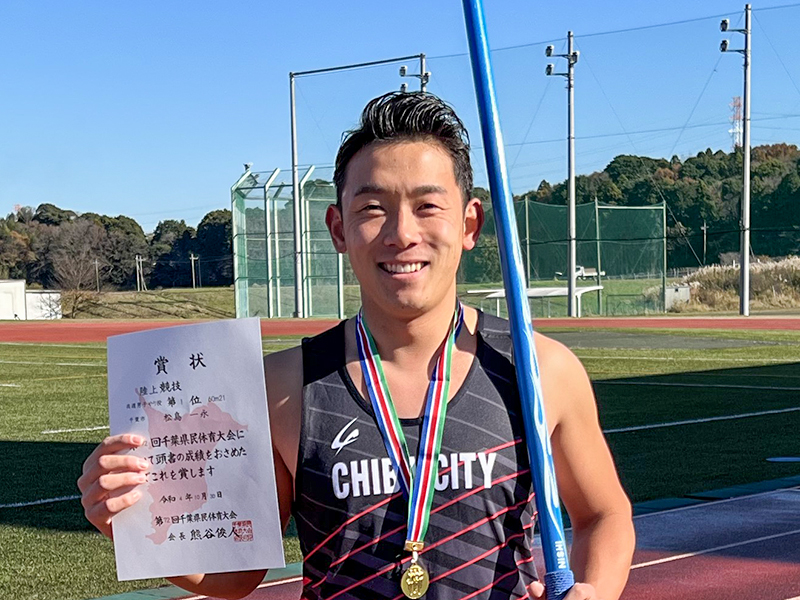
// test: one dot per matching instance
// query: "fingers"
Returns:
(582, 591)
(111, 445)
(110, 463)
(536, 590)
(100, 513)
(109, 479)
(579, 591)
(109, 484)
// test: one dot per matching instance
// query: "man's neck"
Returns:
(405, 341)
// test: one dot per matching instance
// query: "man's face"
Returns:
(403, 223)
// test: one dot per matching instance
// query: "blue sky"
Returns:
(150, 108)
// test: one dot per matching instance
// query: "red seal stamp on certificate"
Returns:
(242, 531)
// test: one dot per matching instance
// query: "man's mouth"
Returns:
(397, 268)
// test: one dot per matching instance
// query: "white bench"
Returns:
(538, 292)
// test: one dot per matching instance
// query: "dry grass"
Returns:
(773, 284)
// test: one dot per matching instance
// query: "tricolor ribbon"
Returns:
(418, 484)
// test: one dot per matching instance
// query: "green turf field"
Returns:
(642, 378)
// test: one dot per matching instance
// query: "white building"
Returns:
(17, 303)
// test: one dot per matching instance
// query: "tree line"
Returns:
(54, 247)
(702, 191)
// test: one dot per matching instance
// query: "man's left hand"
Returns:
(579, 591)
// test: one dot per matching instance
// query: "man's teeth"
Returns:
(403, 268)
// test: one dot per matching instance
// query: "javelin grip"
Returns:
(558, 583)
(559, 578)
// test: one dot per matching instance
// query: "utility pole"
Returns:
(744, 223)
(192, 258)
(140, 284)
(97, 273)
(705, 235)
(572, 58)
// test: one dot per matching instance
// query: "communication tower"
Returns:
(737, 121)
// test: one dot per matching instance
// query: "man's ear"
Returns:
(473, 223)
(333, 219)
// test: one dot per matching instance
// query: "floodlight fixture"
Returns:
(574, 57)
(403, 88)
(723, 46)
(403, 71)
(549, 69)
(723, 25)
(549, 51)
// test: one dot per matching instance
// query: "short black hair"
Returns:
(408, 116)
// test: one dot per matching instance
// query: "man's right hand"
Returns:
(110, 478)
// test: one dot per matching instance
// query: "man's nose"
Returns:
(402, 230)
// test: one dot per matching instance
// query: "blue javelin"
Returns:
(558, 578)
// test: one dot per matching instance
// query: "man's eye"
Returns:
(429, 206)
(371, 208)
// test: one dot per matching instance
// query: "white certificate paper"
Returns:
(196, 393)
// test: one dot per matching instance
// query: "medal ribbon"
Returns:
(418, 486)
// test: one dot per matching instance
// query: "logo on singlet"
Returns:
(339, 443)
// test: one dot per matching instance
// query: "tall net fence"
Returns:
(621, 249)
(264, 246)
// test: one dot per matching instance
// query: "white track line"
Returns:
(705, 420)
(97, 428)
(37, 502)
(10, 385)
(597, 373)
(702, 385)
(667, 559)
(50, 364)
(755, 361)
(716, 502)
(616, 430)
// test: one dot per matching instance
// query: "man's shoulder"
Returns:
(551, 353)
(287, 370)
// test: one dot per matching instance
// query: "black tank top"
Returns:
(351, 514)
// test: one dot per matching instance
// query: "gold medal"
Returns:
(414, 582)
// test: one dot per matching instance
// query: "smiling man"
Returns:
(398, 433)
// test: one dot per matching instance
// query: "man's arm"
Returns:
(602, 529)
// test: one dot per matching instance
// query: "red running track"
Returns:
(65, 331)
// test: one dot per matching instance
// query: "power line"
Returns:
(530, 125)
(615, 31)
(697, 102)
(777, 54)
(650, 175)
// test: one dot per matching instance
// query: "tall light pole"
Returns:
(299, 304)
(744, 223)
(299, 271)
(572, 58)
(423, 75)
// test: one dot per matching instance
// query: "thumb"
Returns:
(536, 590)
